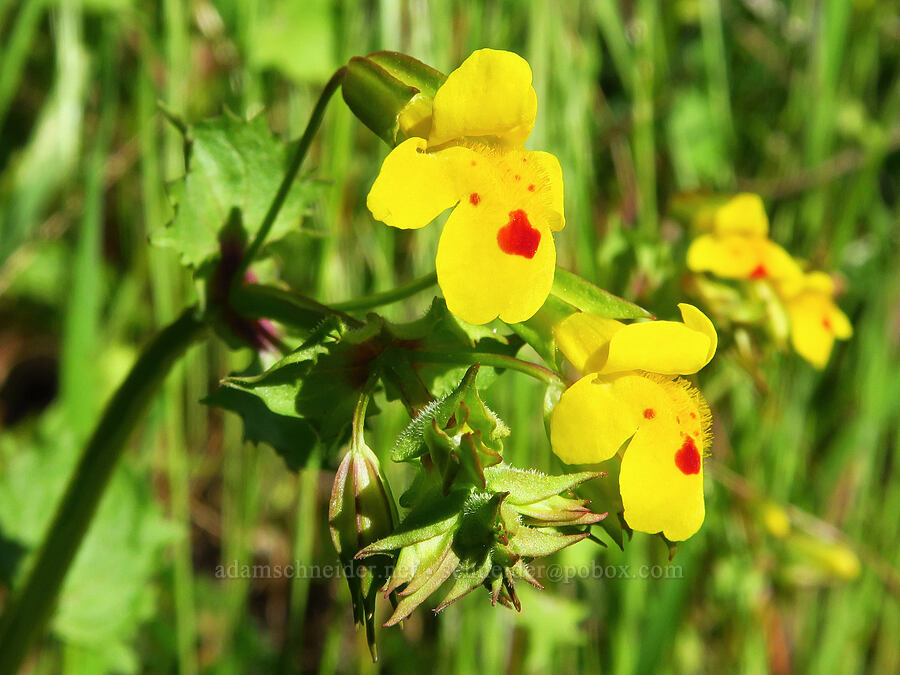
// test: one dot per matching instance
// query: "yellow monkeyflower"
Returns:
(738, 246)
(816, 321)
(630, 389)
(496, 255)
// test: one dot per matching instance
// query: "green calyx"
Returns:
(459, 434)
(391, 93)
(482, 536)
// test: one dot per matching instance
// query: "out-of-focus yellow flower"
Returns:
(738, 246)
(775, 519)
(630, 389)
(815, 319)
(496, 255)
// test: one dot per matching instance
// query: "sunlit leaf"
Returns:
(231, 164)
(587, 297)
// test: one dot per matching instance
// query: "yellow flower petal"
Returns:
(694, 318)
(840, 324)
(729, 257)
(777, 264)
(743, 214)
(583, 338)
(661, 478)
(815, 323)
(665, 347)
(549, 186)
(596, 415)
(656, 494)
(495, 259)
(489, 95)
(412, 188)
(738, 256)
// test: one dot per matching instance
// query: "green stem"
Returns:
(258, 301)
(30, 607)
(534, 370)
(358, 433)
(387, 297)
(315, 120)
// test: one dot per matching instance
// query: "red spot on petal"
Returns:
(649, 414)
(518, 177)
(524, 159)
(518, 237)
(531, 188)
(826, 323)
(687, 459)
(759, 272)
(474, 198)
(693, 416)
(474, 162)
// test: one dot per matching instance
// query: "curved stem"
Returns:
(30, 607)
(315, 120)
(258, 301)
(387, 297)
(357, 437)
(534, 370)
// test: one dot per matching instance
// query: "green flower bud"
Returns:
(361, 511)
(362, 508)
(392, 94)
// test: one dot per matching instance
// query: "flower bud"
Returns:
(362, 508)
(391, 93)
(361, 511)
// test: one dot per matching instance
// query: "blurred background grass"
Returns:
(640, 100)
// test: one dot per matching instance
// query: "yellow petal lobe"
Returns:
(742, 214)
(489, 95)
(665, 347)
(661, 478)
(697, 320)
(597, 414)
(583, 338)
(549, 185)
(412, 188)
(494, 259)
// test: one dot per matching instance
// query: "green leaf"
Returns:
(432, 577)
(587, 297)
(306, 398)
(527, 486)
(538, 330)
(604, 496)
(465, 580)
(309, 395)
(109, 591)
(232, 163)
(417, 556)
(438, 426)
(292, 437)
(410, 443)
(441, 331)
(537, 543)
(421, 525)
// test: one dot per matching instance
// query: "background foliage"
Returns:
(640, 100)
